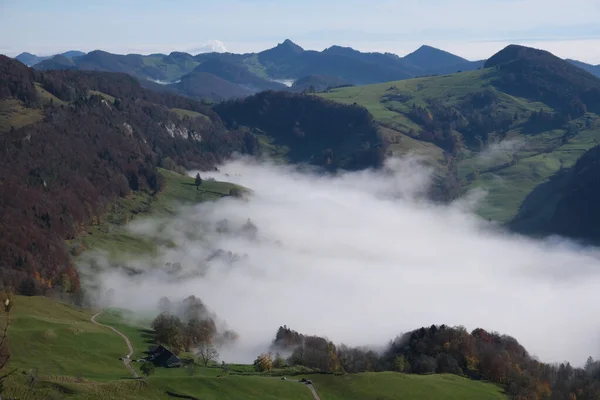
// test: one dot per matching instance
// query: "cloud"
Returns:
(499, 152)
(361, 257)
(209, 47)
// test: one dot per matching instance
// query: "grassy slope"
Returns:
(395, 386)
(57, 339)
(188, 113)
(110, 234)
(172, 71)
(540, 156)
(14, 114)
(78, 360)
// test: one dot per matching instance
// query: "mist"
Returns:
(359, 258)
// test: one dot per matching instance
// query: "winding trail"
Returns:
(313, 391)
(127, 358)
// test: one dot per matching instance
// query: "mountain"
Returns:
(203, 85)
(318, 83)
(310, 128)
(58, 62)
(594, 69)
(73, 53)
(426, 56)
(31, 59)
(155, 67)
(254, 72)
(506, 128)
(239, 74)
(283, 53)
(540, 75)
(116, 134)
(259, 71)
(566, 203)
(432, 61)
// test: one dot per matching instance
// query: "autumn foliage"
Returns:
(59, 176)
(443, 349)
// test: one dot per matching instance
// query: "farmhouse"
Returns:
(163, 357)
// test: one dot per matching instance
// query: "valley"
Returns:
(102, 216)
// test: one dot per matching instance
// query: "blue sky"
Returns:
(474, 29)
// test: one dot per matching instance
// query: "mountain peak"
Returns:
(514, 52)
(427, 56)
(288, 44)
(283, 51)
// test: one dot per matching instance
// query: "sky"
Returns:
(359, 258)
(474, 29)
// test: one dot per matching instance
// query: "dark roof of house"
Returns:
(162, 356)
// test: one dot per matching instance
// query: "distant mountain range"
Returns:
(219, 76)
(31, 59)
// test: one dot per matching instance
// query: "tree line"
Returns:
(478, 354)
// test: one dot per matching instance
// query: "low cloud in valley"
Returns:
(359, 258)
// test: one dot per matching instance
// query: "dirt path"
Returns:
(126, 359)
(313, 391)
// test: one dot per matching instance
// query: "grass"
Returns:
(396, 386)
(507, 186)
(172, 71)
(272, 151)
(138, 331)
(75, 359)
(107, 97)
(110, 233)
(13, 114)
(48, 97)
(57, 339)
(188, 113)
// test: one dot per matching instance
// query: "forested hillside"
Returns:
(310, 128)
(93, 138)
(505, 129)
(566, 203)
(73, 142)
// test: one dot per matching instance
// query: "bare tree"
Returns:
(207, 353)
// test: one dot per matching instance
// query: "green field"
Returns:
(57, 339)
(396, 386)
(13, 114)
(75, 359)
(110, 234)
(539, 155)
(188, 113)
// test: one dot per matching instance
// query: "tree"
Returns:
(235, 192)
(164, 305)
(147, 368)
(400, 364)
(198, 180)
(207, 353)
(167, 329)
(279, 362)
(264, 362)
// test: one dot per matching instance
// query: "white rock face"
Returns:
(128, 129)
(181, 132)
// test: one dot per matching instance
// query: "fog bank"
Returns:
(360, 258)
